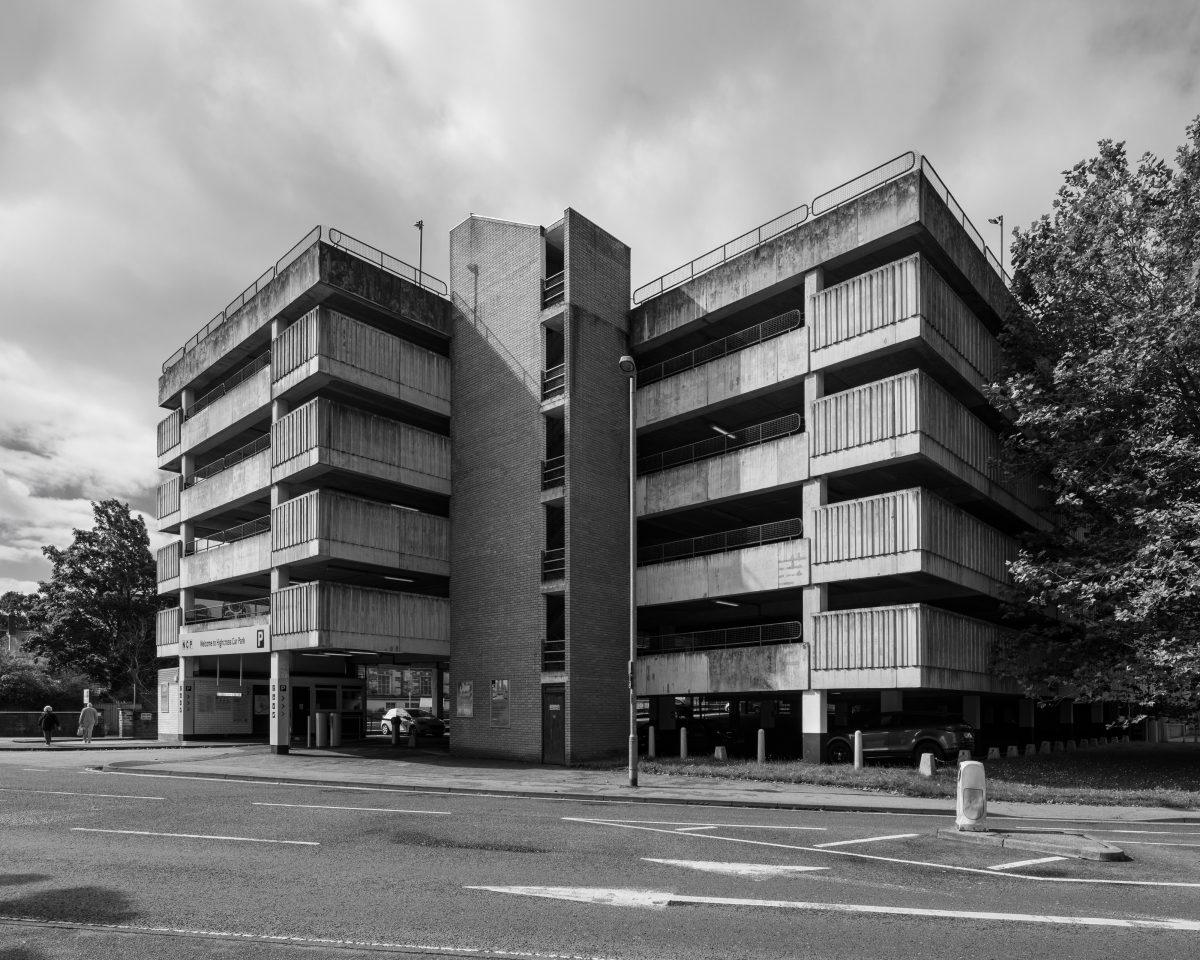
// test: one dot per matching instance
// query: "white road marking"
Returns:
(695, 829)
(1157, 843)
(700, 825)
(249, 936)
(195, 836)
(1024, 863)
(655, 900)
(319, 806)
(1153, 833)
(890, 836)
(910, 863)
(73, 793)
(755, 871)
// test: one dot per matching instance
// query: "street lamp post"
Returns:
(1000, 220)
(420, 225)
(629, 368)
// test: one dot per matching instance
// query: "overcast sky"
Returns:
(156, 156)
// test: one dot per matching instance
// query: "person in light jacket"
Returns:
(48, 722)
(87, 720)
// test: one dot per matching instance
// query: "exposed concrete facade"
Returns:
(821, 522)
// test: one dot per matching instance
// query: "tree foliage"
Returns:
(1099, 370)
(96, 612)
(26, 683)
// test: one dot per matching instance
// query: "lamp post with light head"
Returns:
(629, 368)
(1000, 220)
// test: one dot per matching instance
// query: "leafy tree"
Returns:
(16, 609)
(27, 684)
(96, 612)
(1099, 371)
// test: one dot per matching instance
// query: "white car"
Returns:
(405, 718)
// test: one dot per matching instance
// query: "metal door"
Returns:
(554, 724)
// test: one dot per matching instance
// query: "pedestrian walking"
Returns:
(48, 722)
(87, 720)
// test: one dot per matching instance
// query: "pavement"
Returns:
(433, 770)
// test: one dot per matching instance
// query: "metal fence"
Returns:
(214, 467)
(554, 472)
(228, 610)
(363, 251)
(721, 542)
(554, 382)
(822, 204)
(554, 289)
(554, 655)
(756, 636)
(242, 531)
(740, 340)
(554, 563)
(716, 446)
(216, 393)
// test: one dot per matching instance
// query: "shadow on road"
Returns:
(83, 904)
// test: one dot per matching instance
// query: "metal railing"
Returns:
(242, 531)
(554, 288)
(260, 362)
(554, 563)
(716, 446)
(761, 635)
(351, 245)
(554, 655)
(228, 610)
(740, 340)
(554, 382)
(224, 463)
(960, 215)
(821, 205)
(721, 542)
(554, 472)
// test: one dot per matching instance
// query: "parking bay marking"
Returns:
(752, 871)
(655, 900)
(1024, 863)
(320, 806)
(195, 836)
(911, 863)
(890, 836)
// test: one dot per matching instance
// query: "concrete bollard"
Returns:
(308, 733)
(762, 745)
(1069, 745)
(927, 765)
(322, 740)
(858, 754)
(1045, 747)
(683, 743)
(1030, 750)
(1058, 746)
(964, 755)
(651, 747)
(1125, 739)
(720, 753)
(993, 753)
(971, 807)
(335, 729)
(1012, 752)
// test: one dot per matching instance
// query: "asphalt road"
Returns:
(106, 865)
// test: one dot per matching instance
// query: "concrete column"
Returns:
(815, 724)
(814, 283)
(438, 673)
(891, 701)
(972, 710)
(280, 578)
(187, 697)
(281, 701)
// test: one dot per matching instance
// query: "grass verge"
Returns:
(1136, 775)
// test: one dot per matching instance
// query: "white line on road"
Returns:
(251, 937)
(1024, 863)
(695, 825)
(908, 863)
(73, 793)
(1157, 843)
(658, 901)
(319, 806)
(195, 836)
(890, 836)
(754, 871)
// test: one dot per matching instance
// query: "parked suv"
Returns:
(900, 736)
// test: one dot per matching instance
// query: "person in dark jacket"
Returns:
(48, 722)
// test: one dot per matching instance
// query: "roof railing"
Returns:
(759, 635)
(244, 452)
(821, 205)
(216, 393)
(717, 446)
(337, 238)
(740, 340)
(721, 542)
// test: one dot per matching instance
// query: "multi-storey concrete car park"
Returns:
(390, 492)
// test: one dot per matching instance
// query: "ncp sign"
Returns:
(248, 639)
